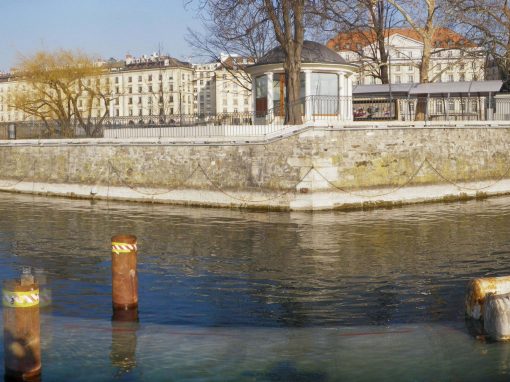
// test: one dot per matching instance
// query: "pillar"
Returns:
(342, 106)
(270, 98)
(348, 97)
(308, 95)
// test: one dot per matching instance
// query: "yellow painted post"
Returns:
(22, 333)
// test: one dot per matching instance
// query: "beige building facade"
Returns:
(454, 58)
(154, 86)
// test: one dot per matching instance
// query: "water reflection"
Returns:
(428, 352)
(216, 267)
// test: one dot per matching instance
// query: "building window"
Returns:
(450, 78)
(451, 105)
(139, 78)
(398, 80)
(439, 106)
(130, 101)
(130, 79)
(410, 79)
(116, 80)
(150, 77)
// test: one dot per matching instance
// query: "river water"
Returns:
(230, 295)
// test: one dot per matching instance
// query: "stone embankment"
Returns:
(317, 168)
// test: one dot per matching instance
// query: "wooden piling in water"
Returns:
(124, 273)
(22, 333)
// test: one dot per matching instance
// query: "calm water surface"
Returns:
(236, 295)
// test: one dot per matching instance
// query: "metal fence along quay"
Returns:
(330, 109)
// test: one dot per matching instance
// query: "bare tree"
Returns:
(368, 22)
(64, 86)
(490, 20)
(241, 31)
(426, 18)
(286, 21)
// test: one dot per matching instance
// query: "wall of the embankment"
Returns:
(319, 168)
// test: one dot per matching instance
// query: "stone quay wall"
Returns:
(317, 168)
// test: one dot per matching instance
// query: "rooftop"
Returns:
(312, 52)
(433, 88)
(353, 41)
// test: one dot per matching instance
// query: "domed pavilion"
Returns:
(326, 84)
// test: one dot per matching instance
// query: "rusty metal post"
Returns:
(124, 274)
(22, 332)
(125, 302)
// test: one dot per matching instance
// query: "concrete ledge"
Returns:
(294, 200)
(307, 167)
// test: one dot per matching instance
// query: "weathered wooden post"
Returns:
(124, 273)
(125, 302)
(479, 289)
(496, 317)
(22, 333)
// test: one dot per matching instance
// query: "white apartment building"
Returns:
(233, 91)
(159, 85)
(453, 58)
(204, 87)
(223, 87)
(150, 86)
(138, 87)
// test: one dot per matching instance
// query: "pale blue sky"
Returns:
(106, 28)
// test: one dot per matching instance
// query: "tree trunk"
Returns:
(379, 24)
(385, 77)
(294, 115)
(421, 107)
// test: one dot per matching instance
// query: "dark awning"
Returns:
(454, 89)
